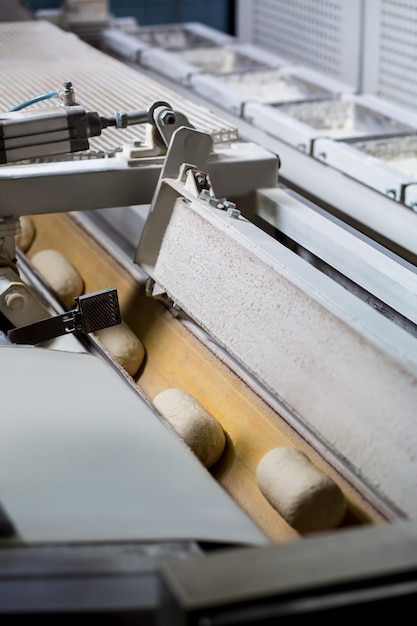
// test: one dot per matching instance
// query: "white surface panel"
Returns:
(82, 458)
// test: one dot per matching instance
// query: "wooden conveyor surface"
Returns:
(176, 358)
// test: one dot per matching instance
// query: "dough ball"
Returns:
(25, 238)
(60, 274)
(124, 346)
(200, 431)
(305, 497)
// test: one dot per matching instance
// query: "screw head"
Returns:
(14, 301)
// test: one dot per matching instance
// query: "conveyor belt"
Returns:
(176, 358)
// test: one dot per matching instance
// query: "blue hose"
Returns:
(27, 103)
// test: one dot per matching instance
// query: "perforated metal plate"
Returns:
(390, 69)
(321, 34)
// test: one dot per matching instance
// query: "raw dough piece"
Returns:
(25, 238)
(305, 497)
(124, 346)
(200, 431)
(60, 274)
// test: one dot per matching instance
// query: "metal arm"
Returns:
(28, 135)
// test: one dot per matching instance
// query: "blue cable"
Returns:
(26, 103)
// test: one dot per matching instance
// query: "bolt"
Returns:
(14, 301)
(68, 84)
(413, 207)
(167, 117)
(391, 193)
(233, 213)
(200, 179)
(322, 156)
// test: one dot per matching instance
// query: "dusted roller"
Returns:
(60, 274)
(200, 431)
(124, 346)
(27, 235)
(304, 496)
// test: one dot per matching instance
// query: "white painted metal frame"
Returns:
(344, 251)
(371, 171)
(122, 44)
(84, 185)
(410, 196)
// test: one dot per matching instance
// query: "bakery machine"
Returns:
(97, 488)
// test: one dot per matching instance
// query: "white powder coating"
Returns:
(27, 235)
(221, 60)
(353, 382)
(124, 347)
(341, 119)
(398, 153)
(304, 496)
(273, 86)
(60, 274)
(200, 431)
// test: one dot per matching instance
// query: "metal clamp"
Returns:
(94, 311)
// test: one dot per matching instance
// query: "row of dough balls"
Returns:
(303, 495)
(121, 343)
